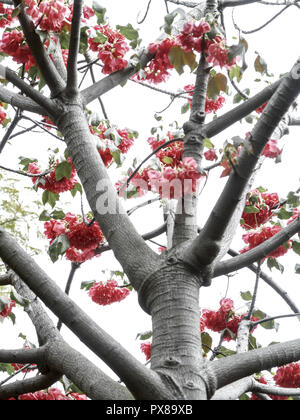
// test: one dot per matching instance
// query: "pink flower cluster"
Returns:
(107, 293)
(288, 376)
(83, 239)
(210, 104)
(263, 205)
(108, 144)
(110, 46)
(7, 309)
(13, 44)
(223, 319)
(49, 181)
(146, 349)
(51, 395)
(255, 238)
(170, 183)
(193, 37)
(51, 15)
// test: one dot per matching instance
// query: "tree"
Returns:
(51, 41)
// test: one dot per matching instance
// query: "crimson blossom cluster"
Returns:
(83, 237)
(194, 37)
(50, 395)
(223, 320)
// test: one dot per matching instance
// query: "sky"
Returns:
(134, 106)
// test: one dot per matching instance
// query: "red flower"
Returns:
(271, 149)
(254, 239)
(50, 183)
(263, 204)
(110, 46)
(107, 293)
(260, 109)
(7, 309)
(51, 394)
(146, 349)
(210, 154)
(288, 376)
(224, 318)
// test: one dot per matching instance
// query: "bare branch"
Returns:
(28, 385)
(140, 381)
(53, 79)
(71, 88)
(259, 252)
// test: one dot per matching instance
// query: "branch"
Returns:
(54, 81)
(32, 355)
(227, 370)
(241, 111)
(232, 196)
(274, 390)
(9, 131)
(259, 252)
(58, 354)
(72, 82)
(109, 82)
(21, 102)
(28, 385)
(33, 94)
(139, 380)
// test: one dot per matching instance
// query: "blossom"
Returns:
(255, 238)
(49, 182)
(271, 149)
(83, 238)
(146, 349)
(7, 309)
(288, 376)
(258, 210)
(210, 154)
(222, 319)
(107, 293)
(110, 46)
(217, 54)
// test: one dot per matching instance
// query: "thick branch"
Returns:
(33, 94)
(73, 49)
(47, 68)
(233, 193)
(259, 252)
(233, 368)
(21, 102)
(32, 356)
(28, 385)
(140, 381)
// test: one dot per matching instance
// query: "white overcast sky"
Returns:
(134, 106)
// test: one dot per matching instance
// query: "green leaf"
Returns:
(237, 50)
(180, 58)
(296, 247)
(50, 198)
(99, 12)
(251, 209)
(58, 247)
(293, 199)
(7, 367)
(63, 170)
(128, 31)
(57, 214)
(273, 263)
(77, 188)
(208, 144)
(246, 296)
(87, 284)
(100, 38)
(185, 108)
(45, 216)
(24, 161)
(260, 65)
(144, 336)
(206, 341)
(270, 325)
(284, 214)
(167, 160)
(3, 302)
(216, 84)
